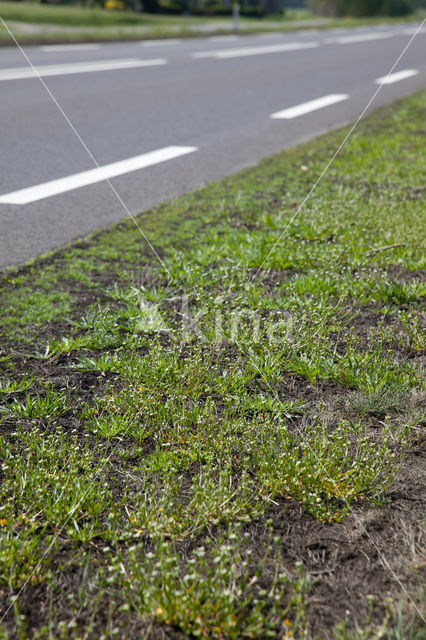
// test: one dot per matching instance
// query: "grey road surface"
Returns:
(159, 118)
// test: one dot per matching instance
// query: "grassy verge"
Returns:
(79, 24)
(227, 445)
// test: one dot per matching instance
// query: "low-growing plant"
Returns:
(217, 591)
(52, 480)
(415, 336)
(326, 471)
(215, 497)
(24, 552)
(9, 386)
(105, 363)
(48, 405)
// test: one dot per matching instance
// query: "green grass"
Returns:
(183, 445)
(71, 15)
(97, 24)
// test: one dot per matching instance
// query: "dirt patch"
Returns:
(368, 554)
(400, 274)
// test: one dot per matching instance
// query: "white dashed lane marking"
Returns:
(396, 77)
(85, 178)
(255, 51)
(307, 107)
(20, 73)
(359, 37)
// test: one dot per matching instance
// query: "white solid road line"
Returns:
(19, 73)
(360, 37)
(69, 47)
(85, 178)
(396, 77)
(254, 51)
(307, 107)
(159, 43)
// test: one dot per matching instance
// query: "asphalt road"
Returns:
(204, 107)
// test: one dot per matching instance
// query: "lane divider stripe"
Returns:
(19, 73)
(165, 42)
(396, 77)
(85, 178)
(360, 37)
(307, 107)
(255, 51)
